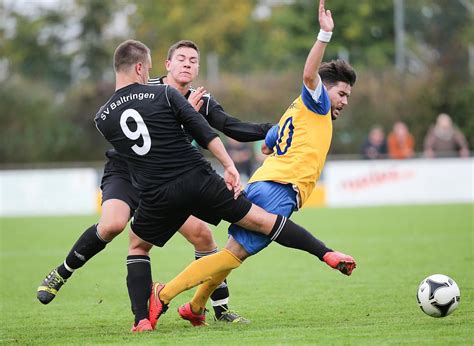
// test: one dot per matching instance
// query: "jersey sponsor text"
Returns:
(124, 99)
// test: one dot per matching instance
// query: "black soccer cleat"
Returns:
(50, 287)
(231, 317)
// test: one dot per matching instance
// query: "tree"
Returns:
(35, 46)
(216, 26)
(95, 48)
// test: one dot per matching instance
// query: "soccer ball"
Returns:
(438, 295)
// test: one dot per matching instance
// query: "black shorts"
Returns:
(116, 184)
(201, 192)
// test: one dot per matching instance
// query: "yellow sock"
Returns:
(204, 291)
(198, 272)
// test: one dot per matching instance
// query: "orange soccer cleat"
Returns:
(342, 262)
(142, 326)
(196, 320)
(156, 307)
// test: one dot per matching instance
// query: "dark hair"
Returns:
(130, 52)
(336, 71)
(179, 44)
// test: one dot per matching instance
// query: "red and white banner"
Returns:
(385, 182)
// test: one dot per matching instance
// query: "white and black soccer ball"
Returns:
(438, 295)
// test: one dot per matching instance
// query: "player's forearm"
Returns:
(313, 62)
(234, 128)
(315, 56)
(246, 132)
(216, 147)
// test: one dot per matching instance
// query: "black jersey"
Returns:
(220, 120)
(145, 126)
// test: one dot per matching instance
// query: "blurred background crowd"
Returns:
(415, 64)
(443, 139)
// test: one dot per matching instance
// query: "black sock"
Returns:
(287, 233)
(87, 246)
(220, 296)
(220, 299)
(139, 285)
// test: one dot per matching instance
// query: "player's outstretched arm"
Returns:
(315, 56)
(232, 127)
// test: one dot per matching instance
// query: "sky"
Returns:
(31, 7)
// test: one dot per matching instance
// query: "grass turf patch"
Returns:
(290, 297)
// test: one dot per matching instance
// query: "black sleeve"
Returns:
(192, 121)
(230, 126)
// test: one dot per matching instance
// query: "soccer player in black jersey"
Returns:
(145, 125)
(120, 198)
(182, 65)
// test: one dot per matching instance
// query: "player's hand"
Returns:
(266, 150)
(326, 22)
(195, 99)
(232, 180)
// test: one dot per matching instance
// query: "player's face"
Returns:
(183, 66)
(339, 96)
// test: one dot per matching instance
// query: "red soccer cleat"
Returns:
(342, 262)
(156, 307)
(196, 320)
(142, 326)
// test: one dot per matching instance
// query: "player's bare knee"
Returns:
(198, 233)
(203, 239)
(110, 228)
(114, 218)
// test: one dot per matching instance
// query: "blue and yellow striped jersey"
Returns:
(300, 142)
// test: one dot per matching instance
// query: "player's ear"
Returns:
(167, 65)
(138, 68)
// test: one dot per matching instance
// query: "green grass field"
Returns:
(291, 297)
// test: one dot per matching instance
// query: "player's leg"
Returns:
(289, 234)
(139, 281)
(153, 224)
(115, 214)
(113, 220)
(194, 311)
(199, 272)
(280, 229)
(159, 216)
(198, 233)
(119, 198)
